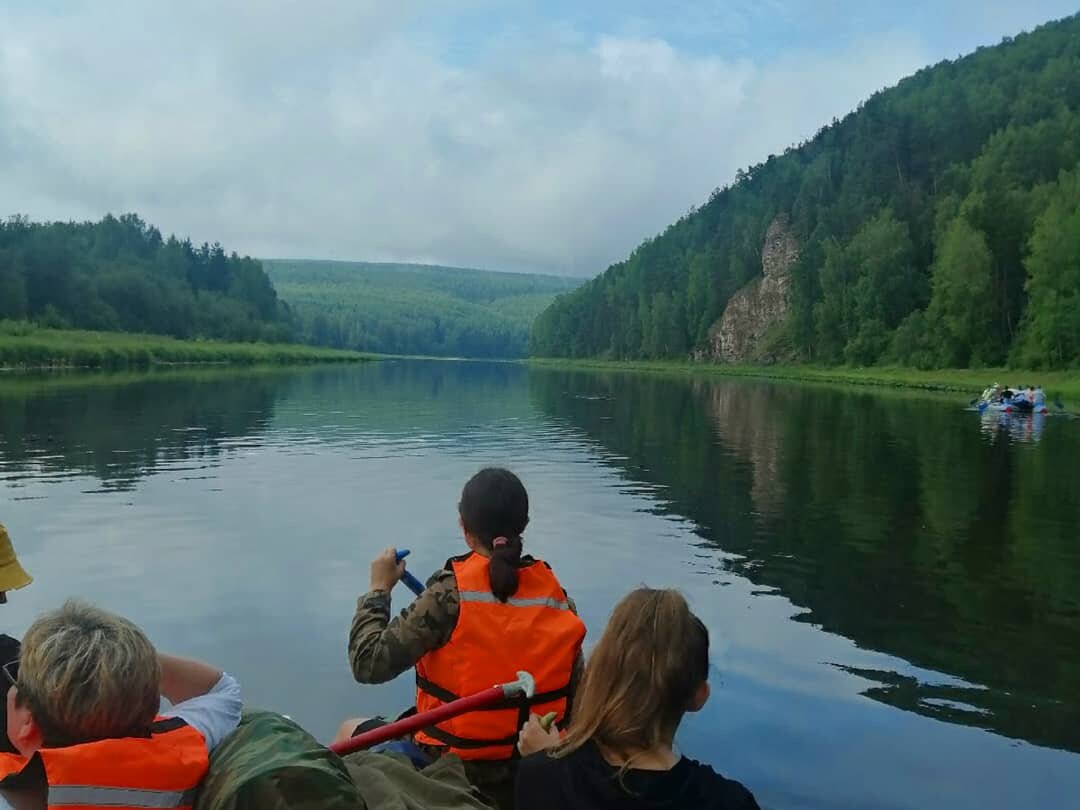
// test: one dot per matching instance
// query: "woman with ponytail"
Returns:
(485, 615)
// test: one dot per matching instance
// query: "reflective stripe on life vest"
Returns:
(91, 796)
(490, 598)
(534, 630)
(160, 770)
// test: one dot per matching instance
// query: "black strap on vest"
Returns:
(167, 724)
(446, 696)
(455, 741)
(522, 704)
(32, 775)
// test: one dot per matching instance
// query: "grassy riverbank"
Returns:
(26, 346)
(973, 381)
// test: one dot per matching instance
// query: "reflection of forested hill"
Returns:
(438, 397)
(889, 519)
(118, 428)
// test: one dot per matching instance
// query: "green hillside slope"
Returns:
(938, 225)
(413, 309)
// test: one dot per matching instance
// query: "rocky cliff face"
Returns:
(762, 303)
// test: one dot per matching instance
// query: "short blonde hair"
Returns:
(87, 674)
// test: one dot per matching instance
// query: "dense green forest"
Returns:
(414, 309)
(121, 275)
(939, 226)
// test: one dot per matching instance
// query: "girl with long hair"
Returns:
(648, 670)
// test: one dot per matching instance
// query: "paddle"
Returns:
(524, 685)
(411, 582)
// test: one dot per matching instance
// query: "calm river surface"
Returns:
(892, 584)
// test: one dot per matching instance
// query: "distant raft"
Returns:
(1006, 400)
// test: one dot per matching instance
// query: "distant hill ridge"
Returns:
(399, 308)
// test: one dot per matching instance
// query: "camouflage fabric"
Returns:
(494, 779)
(390, 782)
(381, 649)
(270, 763)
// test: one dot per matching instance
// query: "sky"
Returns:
(501, 134)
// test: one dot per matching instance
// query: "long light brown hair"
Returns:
(642, 676)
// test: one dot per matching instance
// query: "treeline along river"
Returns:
(892, 583)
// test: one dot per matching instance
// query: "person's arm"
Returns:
(381, 649)
(185, 678)
(576, 674)
(203, 696)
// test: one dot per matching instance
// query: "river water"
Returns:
(892, 583)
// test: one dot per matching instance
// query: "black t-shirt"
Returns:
(585, 781)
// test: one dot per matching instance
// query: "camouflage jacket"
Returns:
(381, 648)
(270, 763)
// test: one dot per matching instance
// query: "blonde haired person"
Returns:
(649, 668)
(83, 712)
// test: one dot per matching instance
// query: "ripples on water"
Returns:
(892, 583)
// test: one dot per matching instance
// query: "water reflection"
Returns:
(119, 428)
(931, 570)
(1023, 428)
(888, 519)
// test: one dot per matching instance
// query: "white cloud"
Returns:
(343, 130)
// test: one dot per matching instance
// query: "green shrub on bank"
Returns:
(23, 345)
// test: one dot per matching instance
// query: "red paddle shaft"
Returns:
(524, 685)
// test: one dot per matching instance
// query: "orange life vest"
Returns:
(534, 630)
(159, 771)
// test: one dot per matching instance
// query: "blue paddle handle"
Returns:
(411, 582)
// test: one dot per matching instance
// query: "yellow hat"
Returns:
(12, 575)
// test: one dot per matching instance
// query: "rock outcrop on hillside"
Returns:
(761, 304)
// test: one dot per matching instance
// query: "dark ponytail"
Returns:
(494, 509)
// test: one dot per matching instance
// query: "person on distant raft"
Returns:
(1040, 398)
(482, 617)
(649, 669)
(12, 577)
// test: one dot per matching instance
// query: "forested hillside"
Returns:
(413, 309)
(121, 275)
(938, 225)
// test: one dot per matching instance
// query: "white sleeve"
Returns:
(216, 714)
